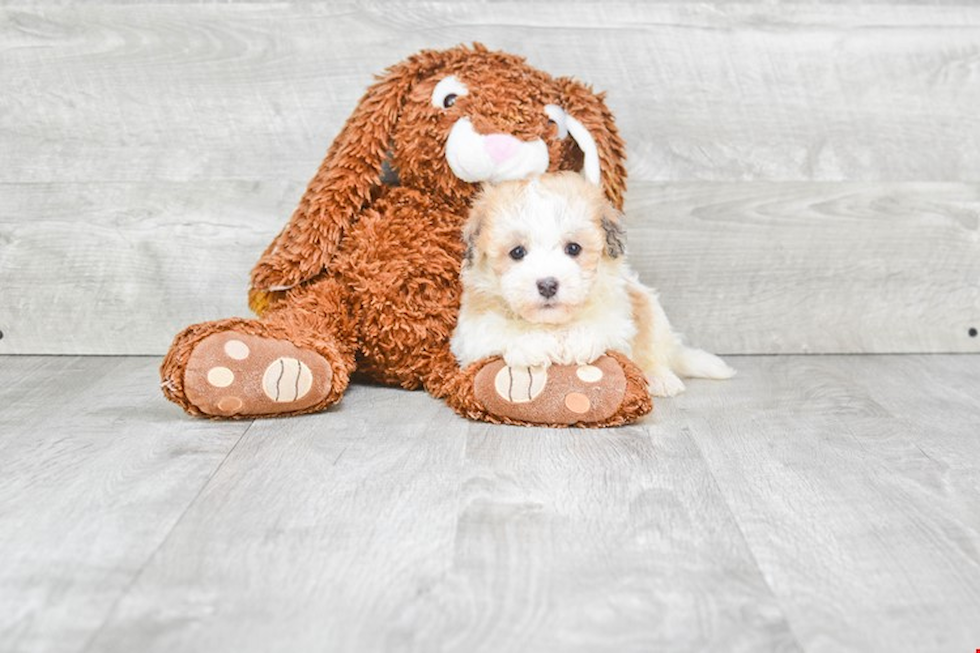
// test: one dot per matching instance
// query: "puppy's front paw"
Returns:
(581, 347)
(665, 384)
(526, 357)
(531, 350)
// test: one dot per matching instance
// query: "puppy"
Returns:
(545, 281)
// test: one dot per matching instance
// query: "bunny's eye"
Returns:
(447, 91)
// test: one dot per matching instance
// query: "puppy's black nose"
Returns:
(547, 287)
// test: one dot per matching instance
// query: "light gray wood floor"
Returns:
(825, 503)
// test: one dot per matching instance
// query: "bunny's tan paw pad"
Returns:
(588, 395)
(233, 374)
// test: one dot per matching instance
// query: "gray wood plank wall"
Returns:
(804, 175)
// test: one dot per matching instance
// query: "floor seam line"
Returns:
(748, 546)
(166, 538)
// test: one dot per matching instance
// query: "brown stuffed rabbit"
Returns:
(365, 277)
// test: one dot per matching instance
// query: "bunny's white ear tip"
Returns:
(569, 125)
(557, 116)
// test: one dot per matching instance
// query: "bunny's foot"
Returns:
(610, 392)
(234, 373)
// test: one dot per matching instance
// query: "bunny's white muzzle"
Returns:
(477, 157)
(494, 158)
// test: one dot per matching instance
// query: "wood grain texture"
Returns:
(604, 541)
(813, 268)
(741, 267)
(120, 268)
(315, 538)
(94, 473)
(810, 504)
(392, 525)
(854, 483)
(712, 91)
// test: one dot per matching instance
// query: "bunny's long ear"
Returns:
(344, 183)
(589, 122)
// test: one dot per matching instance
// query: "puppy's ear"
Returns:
(612, 225)
(470, 234)
(473, 227)
(590, 122)
(344, 183)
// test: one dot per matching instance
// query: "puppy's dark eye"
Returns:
(573, 249)
(449, 100)
(517, 253)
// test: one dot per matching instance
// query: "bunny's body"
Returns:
(365, 277)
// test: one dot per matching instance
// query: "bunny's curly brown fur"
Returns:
(366, 275)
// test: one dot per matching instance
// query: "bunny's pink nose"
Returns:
(500, 147)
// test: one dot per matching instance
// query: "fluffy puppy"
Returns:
(545, 281)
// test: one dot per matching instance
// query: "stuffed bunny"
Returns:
(365, 276)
